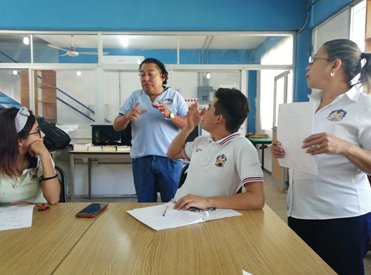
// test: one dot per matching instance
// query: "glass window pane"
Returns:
(67, 98)
(14, 88)
(202, 48)
(65, 49)
(15, 48)
(118, 85)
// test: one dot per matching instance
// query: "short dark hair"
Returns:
(159, 64)
(351, 57)
(233, 105)
(9, 151)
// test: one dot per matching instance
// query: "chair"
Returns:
(183, 175)
(60, 173)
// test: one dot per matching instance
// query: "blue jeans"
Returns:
(154, 174)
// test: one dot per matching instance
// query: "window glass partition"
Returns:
(14, 88)
(83, 78)
(65, 48)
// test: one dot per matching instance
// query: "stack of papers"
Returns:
(12, 217)
(81, 147)
(125, 149)
(93, 148)
(109, 148)
(153, 216)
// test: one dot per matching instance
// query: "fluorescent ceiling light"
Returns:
(124, 40)
(26, 40)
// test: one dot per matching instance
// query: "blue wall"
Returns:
(149, 15)
(323, 9)
(319, 12)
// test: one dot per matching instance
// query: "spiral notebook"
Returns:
(153, 216)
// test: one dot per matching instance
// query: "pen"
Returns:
(167, 206)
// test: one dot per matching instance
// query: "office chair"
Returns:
(183, 175)
(60, 173)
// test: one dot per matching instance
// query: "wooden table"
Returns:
(258, 242)
(116, 243)
(42, 247)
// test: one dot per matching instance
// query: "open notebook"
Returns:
(153, 217)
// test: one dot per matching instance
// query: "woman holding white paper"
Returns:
(331, 211)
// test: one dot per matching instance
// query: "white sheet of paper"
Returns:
(295, 123)
(13, 217)
(152, 216)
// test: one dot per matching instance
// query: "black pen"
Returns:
(167, 206)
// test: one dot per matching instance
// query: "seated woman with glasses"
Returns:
(26, 168)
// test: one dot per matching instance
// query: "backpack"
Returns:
(55, 138)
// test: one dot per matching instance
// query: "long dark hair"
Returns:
(9, 150)
(352, 60)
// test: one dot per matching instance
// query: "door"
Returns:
(279, 97)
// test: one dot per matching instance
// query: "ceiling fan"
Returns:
(71, 51)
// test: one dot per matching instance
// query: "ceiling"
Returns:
(160, 41)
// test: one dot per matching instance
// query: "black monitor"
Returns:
(106, 135)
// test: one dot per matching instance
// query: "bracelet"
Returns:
(49, 178)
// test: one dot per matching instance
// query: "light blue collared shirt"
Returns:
(151, 132)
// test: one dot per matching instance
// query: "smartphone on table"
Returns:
(92, 210)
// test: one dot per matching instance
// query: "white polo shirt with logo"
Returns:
(220, 168)
(340, 190)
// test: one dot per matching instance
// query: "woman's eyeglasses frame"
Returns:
(314, 58)
(38, 131)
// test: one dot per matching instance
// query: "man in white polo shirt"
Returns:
(222, 163)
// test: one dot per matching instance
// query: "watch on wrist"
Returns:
(171, 116)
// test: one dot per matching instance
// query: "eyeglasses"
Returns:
(38, 131)
(313, 59)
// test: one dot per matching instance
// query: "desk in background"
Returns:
(263, 142)
(122, 156)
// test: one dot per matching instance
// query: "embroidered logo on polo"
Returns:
(168, 101)
(220, 160)
(337, 115)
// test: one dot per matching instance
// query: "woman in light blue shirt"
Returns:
(156, 113)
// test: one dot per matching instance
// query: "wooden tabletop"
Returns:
(258, 242)
(42, 247)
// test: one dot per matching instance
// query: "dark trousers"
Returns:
(341, 243)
